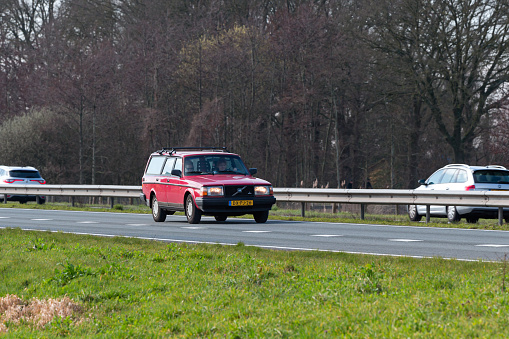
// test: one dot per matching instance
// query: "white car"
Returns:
(25, 175)
(460, 177)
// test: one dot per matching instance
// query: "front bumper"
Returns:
(213, 205)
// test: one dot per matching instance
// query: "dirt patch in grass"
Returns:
(14, 310)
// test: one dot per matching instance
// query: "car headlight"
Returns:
(212, 191)
(263, 190)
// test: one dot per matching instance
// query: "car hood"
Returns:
(226, 179)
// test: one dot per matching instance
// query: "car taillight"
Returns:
(470, 188)
(40, 181)
(10, 181)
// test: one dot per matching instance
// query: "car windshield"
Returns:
(24, 174)
(491, 177)
(214, 164)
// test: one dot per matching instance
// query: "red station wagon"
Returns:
(204, 181)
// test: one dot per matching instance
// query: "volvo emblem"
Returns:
(239, 190)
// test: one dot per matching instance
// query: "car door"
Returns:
(176, 191)
(445, 184)
(433, 183)
(166, 180)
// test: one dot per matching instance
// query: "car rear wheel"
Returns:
(261, 217)
(158, 213)
(452, 214)
(413, 214)
(220, 217)
(40, 200)
(193, 214)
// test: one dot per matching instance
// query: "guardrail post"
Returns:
(72, 201)
(5, 198)
(362, 211)
(500, 216)
(427, 214)
(303, 209)
(112, 202)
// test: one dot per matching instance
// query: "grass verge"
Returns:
(123, 287)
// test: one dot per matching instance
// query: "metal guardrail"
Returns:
(107, 191)
(499, 199)
(363, 197)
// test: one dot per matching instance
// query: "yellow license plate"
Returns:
(498, 190)
(241, 203)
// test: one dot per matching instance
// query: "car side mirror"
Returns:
(176, 172)
(422, 182)
(253, 171)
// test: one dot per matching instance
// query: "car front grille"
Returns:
(239, 191)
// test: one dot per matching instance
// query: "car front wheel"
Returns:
(413, 214)
(261, 217)
(158, 213)
(452, 214)
(193, 214)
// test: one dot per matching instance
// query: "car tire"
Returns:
(472, 220)
(261, 217)
(158, 213)
(452, 214)
(40, 200)
(193, 214)
(220, 217)
(413, 214)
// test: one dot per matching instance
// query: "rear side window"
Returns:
(448, 175)
(155, 165)
(491, 177)
(24, 174)
(461, 176)
(168, 166)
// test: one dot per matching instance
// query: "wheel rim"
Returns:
(412, 211)
(155, 207)
(451, 212)
(189, 207)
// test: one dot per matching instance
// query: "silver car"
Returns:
(17, 175)
(459, 177)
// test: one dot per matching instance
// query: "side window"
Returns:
(448, 175)
(461, 176)
(155, 165)
(178, 164)
(435, 177)
(168, 166)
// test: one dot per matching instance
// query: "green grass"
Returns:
(130, 288)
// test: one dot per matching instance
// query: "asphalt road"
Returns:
(285, 235)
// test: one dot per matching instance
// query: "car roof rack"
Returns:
(172, 150)
(462, 165)
(496, 166)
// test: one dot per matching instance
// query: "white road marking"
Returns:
(194, 228)
(325, 235)
(256, 231)
(405, 240)
(41, 219)
(491, 245)
(136, 224)
(88, 222)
